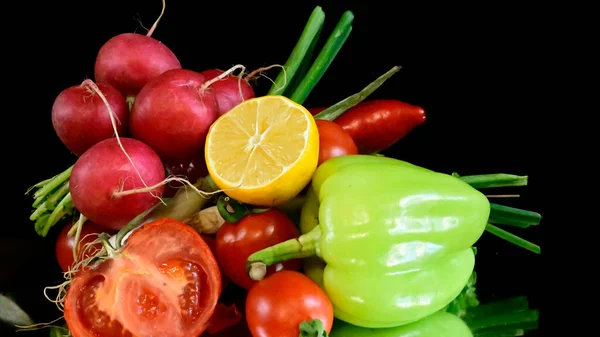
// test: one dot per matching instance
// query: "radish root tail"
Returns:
(222, 76)
(93, 88)
(94, 255)
(168, 180)
(164, 5)
(259, 71)
(38, 326)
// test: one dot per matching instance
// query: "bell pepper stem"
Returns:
(493, 180)
(513, 238)
(504, 215)
(342, 106)
(304, 246)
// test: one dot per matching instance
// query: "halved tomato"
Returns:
(165, 282)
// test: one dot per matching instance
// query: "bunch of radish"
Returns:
(125, 127)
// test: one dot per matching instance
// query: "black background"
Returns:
(472, 68)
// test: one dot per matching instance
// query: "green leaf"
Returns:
(59, 332)
(11, 313)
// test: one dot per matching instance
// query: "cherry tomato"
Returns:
(334, 141)
(65, 243)
(277, 305)
(190, 170)
(210, 241)
(237, 241)
(164, 282)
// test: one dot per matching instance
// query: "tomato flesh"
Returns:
(169, 291)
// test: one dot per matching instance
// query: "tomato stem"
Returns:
(304, 246)
(313, 328)
(238, 211)
(493, 180)
(342, 106)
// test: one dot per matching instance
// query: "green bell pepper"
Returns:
(394, 238)
(436, 325)
(504, 318)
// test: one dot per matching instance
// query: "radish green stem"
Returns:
(73, 229)
(186, 201)
(502, 320)
(493, 180)
(340, 107)
(517, 303)
(38, 211)
(513, 238)
(513, 330)
(78, 227)
(64, 207)
(57, 196)
(333, 45)
(54, 183)
(184, 204)
(504, 215)
(313, 26)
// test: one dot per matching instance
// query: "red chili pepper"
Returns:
(377, 124)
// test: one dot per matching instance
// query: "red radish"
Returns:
(229, 91)
(105, 169)
(81, 118)
(128, 61)
(172, 114)
(190, 170)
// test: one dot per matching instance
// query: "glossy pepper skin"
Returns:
(376, 125)
(393, 239)
(440, 324)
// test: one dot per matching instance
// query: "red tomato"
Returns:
(164, 282)
(65, 243)
(254, 232)
(334, 141)
(276, 305)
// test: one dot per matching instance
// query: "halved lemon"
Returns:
(264, 151)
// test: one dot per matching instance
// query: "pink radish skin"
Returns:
(172, 114)
(81, 119)
(104, 169)
(128, 61)
(229, 91)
